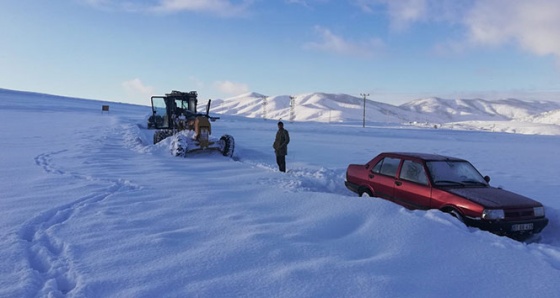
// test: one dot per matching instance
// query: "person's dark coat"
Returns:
(281, 142)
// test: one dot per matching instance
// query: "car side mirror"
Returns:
(487, 179)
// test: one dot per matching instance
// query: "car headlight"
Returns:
(493, 214)
(538, 211)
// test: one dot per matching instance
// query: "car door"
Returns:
(412, 188)
(382, 177)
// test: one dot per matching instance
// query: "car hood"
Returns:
(492, 197)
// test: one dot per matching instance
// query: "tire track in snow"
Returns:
(43, 160)
(48, 255)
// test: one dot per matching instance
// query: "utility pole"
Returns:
(364, 95)
(264, 107)
(292, 108)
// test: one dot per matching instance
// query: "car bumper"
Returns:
(351, 186)
(510, 228)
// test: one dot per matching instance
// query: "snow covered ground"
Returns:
(90, 208)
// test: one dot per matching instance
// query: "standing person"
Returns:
(281, 146)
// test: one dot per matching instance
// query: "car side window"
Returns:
(387, 166)
(413, 171)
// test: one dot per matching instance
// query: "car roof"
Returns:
(423, 156)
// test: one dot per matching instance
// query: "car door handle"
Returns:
(371, 176)
(398, 183)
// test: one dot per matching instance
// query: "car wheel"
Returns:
(457, 215)
(365, 193)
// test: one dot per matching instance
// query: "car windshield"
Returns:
(451, 172)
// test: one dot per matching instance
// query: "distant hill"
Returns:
(455, 110)
(325, 107)
(549, 117)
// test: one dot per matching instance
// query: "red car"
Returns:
(452, 185)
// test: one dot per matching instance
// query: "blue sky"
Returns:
(395, 50)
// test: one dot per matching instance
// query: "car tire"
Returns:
(456, 214)
(365, 193)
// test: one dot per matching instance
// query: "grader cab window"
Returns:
(159, 111)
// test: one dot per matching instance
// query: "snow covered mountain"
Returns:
(455, 110)
(464, 113)
(319, 107)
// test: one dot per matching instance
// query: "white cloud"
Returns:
(231, 88)
(199, 84)
(306, 3)
(533, 25)
(217, 7)
(124, 5)
(300, 2)
(333, 43)
(404, 13)
(135, 88)
(407, 11)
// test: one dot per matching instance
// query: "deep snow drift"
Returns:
(90, 208)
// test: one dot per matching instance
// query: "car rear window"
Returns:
(387, 166)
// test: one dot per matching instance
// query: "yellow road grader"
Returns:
(175, 115)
